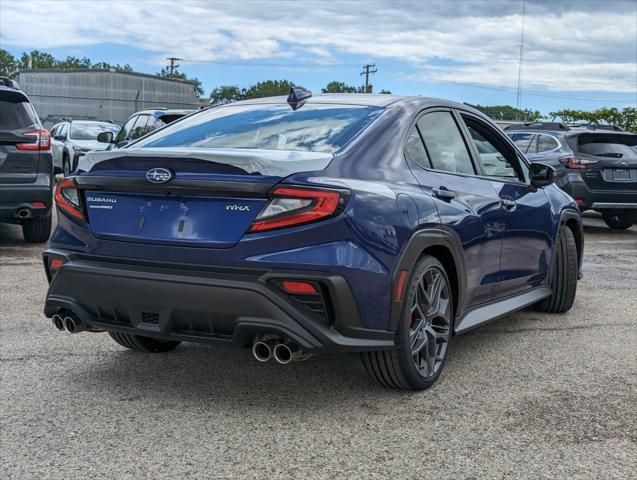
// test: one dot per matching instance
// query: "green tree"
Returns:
(74, 63)
(8, 63)
(626, 118)
(507, 112)
(225, 94)
(338, 87)
(268, 88)
(38, 60)
(385, 92)
(107, 66)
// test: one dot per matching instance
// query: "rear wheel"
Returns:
(619, 220)
(143, 344)
(423, 334)
(563, 275)
(37, 229)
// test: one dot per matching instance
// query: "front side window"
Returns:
(446, 148)
(128, 126)
(492, 159)
(546, 143)
(141, 125)
(315, 128)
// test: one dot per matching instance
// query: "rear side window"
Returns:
(16, 115)
(314, 128)
(446, 148)
(415, 149)
(546, 143)
(522, 140)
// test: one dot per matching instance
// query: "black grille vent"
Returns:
(150, 317)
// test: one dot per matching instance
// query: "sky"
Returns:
(577, 53)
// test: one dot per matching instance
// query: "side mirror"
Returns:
(541, 174)
(105, 137)
(59, 138)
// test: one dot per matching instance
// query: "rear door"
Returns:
(17, 117)
(466, 204)
(614, 155)
(526, 211)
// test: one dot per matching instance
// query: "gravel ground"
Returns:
(527, 396)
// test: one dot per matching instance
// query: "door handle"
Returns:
(443, 193)
(508, 203)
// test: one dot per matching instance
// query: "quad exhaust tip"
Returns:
(261, 351)
(71, 324)
(23, 213)
(58, 322)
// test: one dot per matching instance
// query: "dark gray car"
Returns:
(596, 165)
(26, 171)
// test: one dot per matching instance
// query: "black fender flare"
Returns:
(417, 244)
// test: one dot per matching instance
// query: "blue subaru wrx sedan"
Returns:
(293, 226)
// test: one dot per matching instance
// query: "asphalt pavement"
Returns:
(528, 396)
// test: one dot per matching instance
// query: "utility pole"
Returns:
(518, 101)
(367, 69)
(173, 64)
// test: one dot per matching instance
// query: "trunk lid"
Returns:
(210, 199)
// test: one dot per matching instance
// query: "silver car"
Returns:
(70, 140)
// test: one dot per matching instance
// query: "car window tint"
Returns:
(139, 129)
(16, 115)
(415, 149)
(54, 130)
(546, 143)
(492, 159)
(63, 130)
(446, 148)
(522, 140)
(128, 126)
(533, 146)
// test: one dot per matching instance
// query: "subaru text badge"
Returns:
(159, 175)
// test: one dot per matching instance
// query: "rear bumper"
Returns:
(14, 196)
(588, 199)
(178, 302)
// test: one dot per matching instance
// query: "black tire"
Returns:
(66, 166)
(563, 276)
(619, 220)
(143, 344)
(426, 323)
(37, 229)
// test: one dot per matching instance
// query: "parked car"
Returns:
(142, 123)
(333, 223)
(72, 139)
(596, 165)
(26, 174)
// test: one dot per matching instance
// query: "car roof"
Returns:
(359, 99)
(160, 112)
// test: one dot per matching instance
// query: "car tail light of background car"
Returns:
(42, 141)
(67, 198)
(290, 206)
(578, 163)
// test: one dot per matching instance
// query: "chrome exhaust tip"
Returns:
(58, 322)
(71, 324)
(261, 351)
(23, 213)
(282, 353)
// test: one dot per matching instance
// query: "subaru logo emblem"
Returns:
(159, 175)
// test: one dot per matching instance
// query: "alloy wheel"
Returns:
(430, 322)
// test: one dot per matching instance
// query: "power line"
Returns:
(367, 69)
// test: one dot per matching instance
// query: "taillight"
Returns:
(578, 163)
(42, 141)
(290, 206)
(67, 198)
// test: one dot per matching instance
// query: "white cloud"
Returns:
(569, 46)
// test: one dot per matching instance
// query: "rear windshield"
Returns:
(314, 128)
(86, 131)
(606, 145)
(16, 115)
